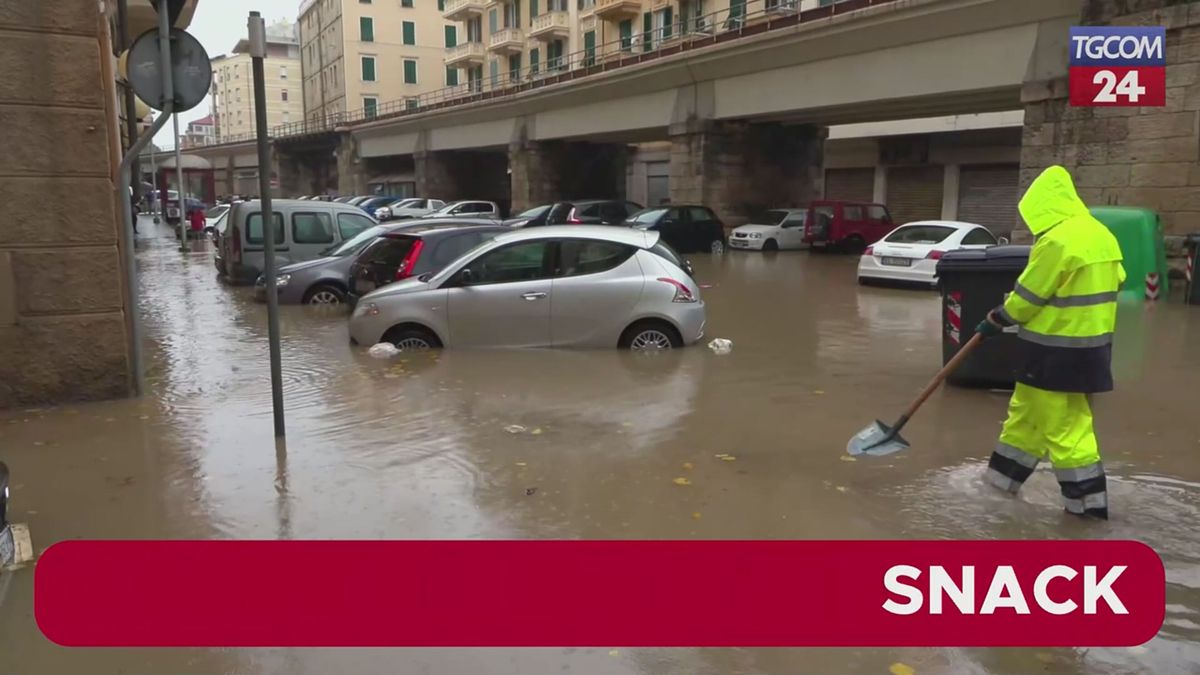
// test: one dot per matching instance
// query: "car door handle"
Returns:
(533, 296)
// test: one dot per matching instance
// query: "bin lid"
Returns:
(1007, 258)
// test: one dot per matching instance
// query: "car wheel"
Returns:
(325, 295)
(412, 339)
(862, 281)
(717, 247)
(854, 244)
(771, 245)
(650, 336)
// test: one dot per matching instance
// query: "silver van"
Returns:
(303, 230)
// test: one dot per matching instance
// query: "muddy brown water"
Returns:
(417, 448)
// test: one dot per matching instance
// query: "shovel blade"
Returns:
(877, 440)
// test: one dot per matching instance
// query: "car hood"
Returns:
(397, 288)
(761, 229)
(307, 264)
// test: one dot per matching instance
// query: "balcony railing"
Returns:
(507, 40)
(461, 10)
(550, 25)
(611, 10)
(683, 35)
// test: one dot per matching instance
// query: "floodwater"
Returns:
(417, 448)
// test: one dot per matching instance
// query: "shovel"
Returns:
(879, 439)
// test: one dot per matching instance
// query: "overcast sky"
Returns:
(218, 25)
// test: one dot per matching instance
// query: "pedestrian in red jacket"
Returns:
(196, 218)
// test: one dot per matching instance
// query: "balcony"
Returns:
(617, 10)
(461, 10)
(507, 41)
(550, 26)
(466, 54)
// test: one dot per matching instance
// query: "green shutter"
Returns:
(409, 3)
(451, 76)
(441, 5)
(370, 106)
(668, 19)
(368, 69)
(410, 71)
(366, 29)
(491, 22)
(533, 8)
(409, 30)
(514, 67)
(589, 48)
(533, 59)
(625, 29)
(451, 36)
(647, 31)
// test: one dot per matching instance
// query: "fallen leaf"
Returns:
(842, 488)
(696, 515)
(728, 458)
(537, 431)
(682, 481)
(688, 466)
(521, 464)
(848, 458)
(901, 669)
(818, 392)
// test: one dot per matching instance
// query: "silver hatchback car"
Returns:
(565, 286)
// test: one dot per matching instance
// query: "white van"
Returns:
(303, 230)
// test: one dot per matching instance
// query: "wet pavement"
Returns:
(418, 448)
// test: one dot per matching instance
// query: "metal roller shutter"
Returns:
(850, 185)
(915, 193)
(988, 195)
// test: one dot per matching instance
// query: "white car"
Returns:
(411, 207)
(468, 209)
(780, 229)
(910, 252)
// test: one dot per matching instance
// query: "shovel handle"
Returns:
(942, 374)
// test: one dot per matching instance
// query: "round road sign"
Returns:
(190, 70)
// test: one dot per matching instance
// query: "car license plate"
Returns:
(897, 262)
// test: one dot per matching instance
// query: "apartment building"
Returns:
(199, 133)
(370, 54)
(233, 85)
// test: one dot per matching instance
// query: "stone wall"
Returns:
(63, 324)
(547, 171)
(1147, 157)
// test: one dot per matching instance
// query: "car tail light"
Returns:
(870, 251)
(572, 218)
(682, 292)
(934, 255)
(409, 263)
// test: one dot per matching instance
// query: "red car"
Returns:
(847, 226)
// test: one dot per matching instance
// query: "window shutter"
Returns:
(410, 32)
(451, 36)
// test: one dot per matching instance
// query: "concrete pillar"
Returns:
(739, 169)
(542, 172)
(879, 194)
(950, 192)
(533, 177)
(351, 171)
(64, 310)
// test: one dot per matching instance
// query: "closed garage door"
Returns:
(850, 185)
(988, 195)
(915, 193)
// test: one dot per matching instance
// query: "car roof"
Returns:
(617, 234)
(341, 206)
(956, 224)
(439, 226)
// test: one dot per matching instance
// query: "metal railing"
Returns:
(682, 35)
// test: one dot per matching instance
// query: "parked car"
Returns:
(775, 230)
(568, 286)
(303, 198)
(576, 212)
(212, 215)
(411, 207)
(846, 226)
(312, 227)
(369, 205)
(468, 209)
(685, 228)
(420, 247)
(910, 252)
(344, 199)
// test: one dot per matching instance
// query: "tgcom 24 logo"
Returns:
(1118, 66)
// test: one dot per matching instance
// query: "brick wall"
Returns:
(63, 332)
(1147, 157)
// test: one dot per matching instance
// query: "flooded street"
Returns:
(418, 447)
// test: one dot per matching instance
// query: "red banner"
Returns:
(599, 593)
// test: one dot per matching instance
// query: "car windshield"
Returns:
(772, 217)
(920, 234)
(534, 212)
(404, 203)
(216, 211)
(354, 244)
(222, 221)
(647, 217)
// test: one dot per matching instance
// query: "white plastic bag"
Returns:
(383, 350)
(721, 346)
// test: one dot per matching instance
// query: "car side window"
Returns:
(312, 228)
(877, 213)
(852, 214)
(254, 228)
(592, 211)
(452, 247)
(350, 224)
(673, 216)
(518, 262)
(794, 219)
(979, 236)
(581, 256)
(699, 214)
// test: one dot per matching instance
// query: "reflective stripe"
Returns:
(1001, 481)
(1017, 455)
(1029, 296)
(1082, 473)
(1064, 340)
(1084, 300)
(1093, 501)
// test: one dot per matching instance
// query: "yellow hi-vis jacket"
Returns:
(1065, 302)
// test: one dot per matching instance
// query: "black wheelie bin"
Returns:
(973, 282)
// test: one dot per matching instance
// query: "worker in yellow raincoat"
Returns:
(1065, 307)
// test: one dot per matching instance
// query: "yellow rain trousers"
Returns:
(1064, 304)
